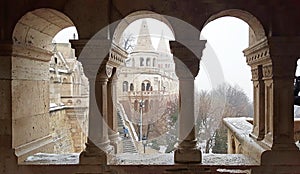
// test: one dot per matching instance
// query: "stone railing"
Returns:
(239, 141)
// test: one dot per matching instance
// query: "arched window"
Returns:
(141, 61)
(143, 86)
(148, 87)
(125, 86)
(148, 61)
(131, 87)
(154, 62)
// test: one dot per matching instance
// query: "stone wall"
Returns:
(78, 122)
(61, 132)
(30, 102)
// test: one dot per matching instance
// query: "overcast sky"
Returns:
(226, 38)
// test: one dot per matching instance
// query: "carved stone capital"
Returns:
(104, 72)
(267, 71)
(255, 74)
(190, 55)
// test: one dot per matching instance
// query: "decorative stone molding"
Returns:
(257, 53)
(109, 70)
(267, 71)
(117, 55)
(254, 72)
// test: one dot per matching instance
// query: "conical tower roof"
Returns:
(144, 42)
(162, 45)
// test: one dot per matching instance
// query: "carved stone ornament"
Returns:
(108, 70)
(254, 73)
(267, 71)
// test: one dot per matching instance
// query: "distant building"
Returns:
(69, 100)
(148, 76)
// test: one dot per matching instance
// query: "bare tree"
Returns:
(224, 101)
(128, 41)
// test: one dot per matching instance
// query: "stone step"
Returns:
(128, 144)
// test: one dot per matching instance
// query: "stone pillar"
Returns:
(259, 103)
(93, 56)
(258, 56)
(8, 159)
(187, 67)
(278, 77)
(112, 111)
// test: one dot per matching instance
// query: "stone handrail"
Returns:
(239, 141)
(131, 127)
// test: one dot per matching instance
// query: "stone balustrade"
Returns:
(239, 141)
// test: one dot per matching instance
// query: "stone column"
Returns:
(112, 111)
(8, 159)
(279, 102)
(258, 101)
(187, 67)
(93, 56)
(258, 55)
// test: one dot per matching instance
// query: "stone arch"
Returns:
(38, 27)
(256, 27)
(32, 48)
(136, 16)
(258, 49)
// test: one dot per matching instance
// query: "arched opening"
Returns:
(143, 86)
(142, 61)
(150, 48)
(125, 86)
(228, 34)
(131, 87)
(148, 61)
(42, 120)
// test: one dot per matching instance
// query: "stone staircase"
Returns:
(128, 144)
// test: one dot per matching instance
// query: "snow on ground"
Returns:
(143, 159)
(168, 159)
(46, 158)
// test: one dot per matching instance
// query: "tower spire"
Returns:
(162, 45)
(144, 42)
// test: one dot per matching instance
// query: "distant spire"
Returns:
(144, 42)
(162, 45)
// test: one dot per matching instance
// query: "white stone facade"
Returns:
(148, 75)
(69, 102)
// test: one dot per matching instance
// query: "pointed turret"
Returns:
(144, 42)
(162, 45)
